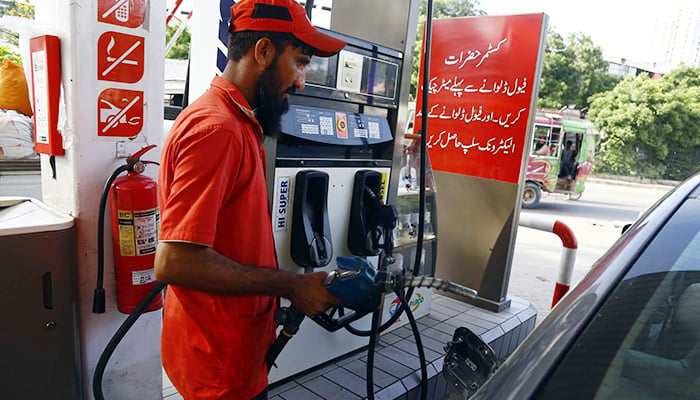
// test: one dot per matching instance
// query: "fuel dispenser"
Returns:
(333, 180)
(337, 139)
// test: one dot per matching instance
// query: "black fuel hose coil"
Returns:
(376, 316)
(373, 333)
(419, 346)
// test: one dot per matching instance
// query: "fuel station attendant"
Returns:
(216, 249)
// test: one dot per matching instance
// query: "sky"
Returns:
(623, 28)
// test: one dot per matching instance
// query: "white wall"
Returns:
(134, 371)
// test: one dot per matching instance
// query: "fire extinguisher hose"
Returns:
(118, 336)
(98, 300)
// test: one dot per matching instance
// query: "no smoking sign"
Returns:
(120, 57)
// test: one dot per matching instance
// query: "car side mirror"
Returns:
(469, 362)
(625, 228)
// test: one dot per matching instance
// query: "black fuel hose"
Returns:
(118, 336)
(383, 327)
(374, 333)
(369, 379)
(412, 283)
(421, 198)
(428, 34)
(419, 346)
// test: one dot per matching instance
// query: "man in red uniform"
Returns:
(216, 247)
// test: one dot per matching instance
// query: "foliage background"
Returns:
(651, 127)
(10, 50)
(181, 48)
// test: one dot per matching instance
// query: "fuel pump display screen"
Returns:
(379, 78)
(335, 127)
(321, 71)
(356, 73)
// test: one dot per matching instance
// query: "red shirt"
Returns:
(213, 192)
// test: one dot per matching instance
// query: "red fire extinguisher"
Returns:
(135, 220)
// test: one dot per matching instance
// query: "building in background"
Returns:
(676, 38)
(4, 6)
(619, 66)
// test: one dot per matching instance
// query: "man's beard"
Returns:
(271, 104)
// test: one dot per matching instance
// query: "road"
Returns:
(596, 220)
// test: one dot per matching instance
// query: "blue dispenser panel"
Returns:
(335, 127)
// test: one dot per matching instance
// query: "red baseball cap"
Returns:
(282, 16)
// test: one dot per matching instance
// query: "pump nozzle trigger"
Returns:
(339, 275)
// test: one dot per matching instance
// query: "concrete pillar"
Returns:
(208, 44)
(111, 50)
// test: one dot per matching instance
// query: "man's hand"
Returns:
(310, 295)
(201, 268)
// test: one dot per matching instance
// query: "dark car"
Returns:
(631, 328)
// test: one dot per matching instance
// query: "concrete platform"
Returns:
(397, 368)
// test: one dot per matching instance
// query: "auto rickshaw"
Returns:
(561, 156)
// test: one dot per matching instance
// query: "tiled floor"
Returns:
(396, 364)
(169, 391)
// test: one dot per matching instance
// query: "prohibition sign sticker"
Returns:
(128, 13)
(120, 57)
(119, 113)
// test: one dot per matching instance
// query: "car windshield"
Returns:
(644, 342)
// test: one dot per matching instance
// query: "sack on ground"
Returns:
(16, 136)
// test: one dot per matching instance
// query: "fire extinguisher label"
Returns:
(143, 277)
(126, 233)
(138, 232)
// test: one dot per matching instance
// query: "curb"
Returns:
(662, 185)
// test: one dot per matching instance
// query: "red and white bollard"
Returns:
(568, 255)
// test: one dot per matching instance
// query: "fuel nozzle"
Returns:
(356, 283)
(289, 319)
(441, 284)
(360, 286)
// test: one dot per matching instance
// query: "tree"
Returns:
(573, 70)
(7, 52)
(23, 9)
(181, 49)
(441, 9)
(17, 9)
(652, 127)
